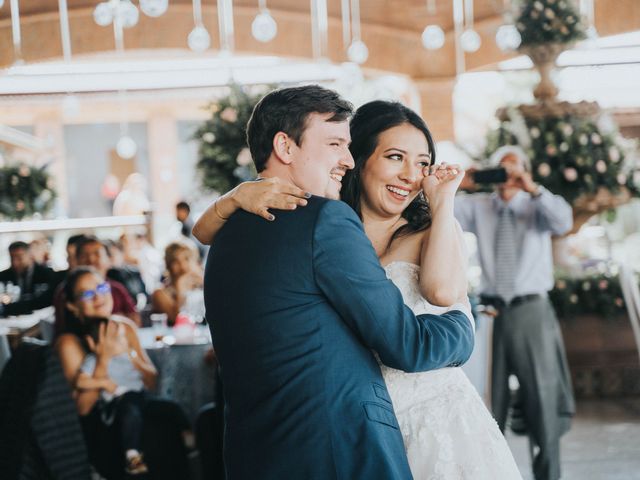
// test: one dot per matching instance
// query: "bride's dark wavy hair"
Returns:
(369, 121)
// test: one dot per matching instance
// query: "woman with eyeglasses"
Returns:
(110, 373)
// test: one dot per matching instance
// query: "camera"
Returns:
(92, 327)
(492, 175)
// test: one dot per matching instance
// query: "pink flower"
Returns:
(621, 178)
(551, 150)
(544, 170)
(229, 115)
(614, 154)
(571, 174)
(561, 284)
(601, 167)
(619, 302)
(244, 157)
(603, 284)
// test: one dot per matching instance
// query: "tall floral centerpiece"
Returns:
(574, 148)
(224, 159)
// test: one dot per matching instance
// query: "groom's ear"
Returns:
(283, 147)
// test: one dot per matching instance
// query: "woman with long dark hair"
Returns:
(110, 374)
(405, 202)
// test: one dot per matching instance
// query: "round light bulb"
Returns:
(264, 27)
(126, 148)
(508, 37)
(470, 41)
(433, 37)
(103, 14)
(128, 13)
(154, 8)
(199, 39)
(358, 52)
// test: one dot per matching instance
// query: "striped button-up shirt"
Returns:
(537, 218)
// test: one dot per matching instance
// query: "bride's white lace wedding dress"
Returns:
(448, 432)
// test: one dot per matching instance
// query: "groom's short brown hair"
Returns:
(286, 110)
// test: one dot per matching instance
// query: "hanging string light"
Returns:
(357, 51)
(126, 147)
(507, 36)
(433, 35)
(469, 40)
(264, 28)
(105, 13)
(319, 27)
(346, 23)
(458, 27)
(199, 39)
(15, 31)
(70, 103)
(225, 25)
(587, 10)
(154, 8)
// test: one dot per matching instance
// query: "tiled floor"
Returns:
(603, 444)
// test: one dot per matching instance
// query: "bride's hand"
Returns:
(442, 179)
(259, 196)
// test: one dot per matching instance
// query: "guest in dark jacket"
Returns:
(127, 275)
(36, 282)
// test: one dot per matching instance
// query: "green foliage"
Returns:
(549, 21)
(598, 294)
(25, 191)
(570, 156)
(222, 138)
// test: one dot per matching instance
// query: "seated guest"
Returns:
(36, 282)
(127, 275)
(92, 252)
(182, 290)
(39, 249)
(110, 373)
(72, 250)
(138, 252)
(183, 215)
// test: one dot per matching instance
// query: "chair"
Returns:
(40, 434)
(5, 351)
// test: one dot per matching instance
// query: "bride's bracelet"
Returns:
(215, 209)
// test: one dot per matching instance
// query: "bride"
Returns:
(448, 432)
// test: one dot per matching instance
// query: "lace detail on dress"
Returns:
(448, 432)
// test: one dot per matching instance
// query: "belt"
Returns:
(498, 302)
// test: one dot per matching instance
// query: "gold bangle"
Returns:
(215, 209)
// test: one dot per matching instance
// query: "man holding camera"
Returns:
(514, 225)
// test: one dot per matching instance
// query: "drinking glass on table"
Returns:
(159, 325)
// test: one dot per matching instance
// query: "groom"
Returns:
(298, 305)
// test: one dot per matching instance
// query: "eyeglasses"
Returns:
(89, 295)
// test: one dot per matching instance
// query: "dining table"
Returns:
(185, 372)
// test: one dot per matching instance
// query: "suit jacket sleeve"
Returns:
(348, 272)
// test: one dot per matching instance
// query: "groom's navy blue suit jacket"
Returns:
(296, 308)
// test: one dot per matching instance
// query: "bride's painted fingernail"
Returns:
(271, 218)
(307, 195)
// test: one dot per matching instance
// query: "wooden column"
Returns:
(436, 98)
(50, 129)
(162, 137)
